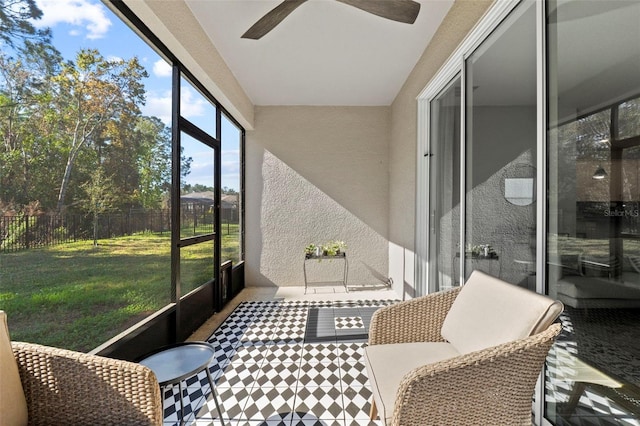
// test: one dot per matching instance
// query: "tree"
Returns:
(100, 197)
(117, 150)
(23, 86)
(88, 94)
(154, 161)
(198, 187)
(23, 96)
(16, 18)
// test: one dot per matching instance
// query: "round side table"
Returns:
(173, 364)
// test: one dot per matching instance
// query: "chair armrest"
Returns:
(66, 387)
(415, 320)
(491, 386)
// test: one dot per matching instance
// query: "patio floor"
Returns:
(285, 362)
(289, 358)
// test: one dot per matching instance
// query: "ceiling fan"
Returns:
(405, 11)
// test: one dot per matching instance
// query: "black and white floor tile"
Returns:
(285, 364)
(300, 363)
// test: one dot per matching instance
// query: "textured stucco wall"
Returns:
(316, 174)
(464, 14)
(509, 229)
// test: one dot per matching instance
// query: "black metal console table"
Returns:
(340, 256)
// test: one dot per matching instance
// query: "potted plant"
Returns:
(481, 251)
(340, 246)
(487, 252)
(311, 250)
(333, 248)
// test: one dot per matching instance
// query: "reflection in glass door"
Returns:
(444, 189)
(501, 152)
(593, 235)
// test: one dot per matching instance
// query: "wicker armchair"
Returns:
(73, 388)
(419, 377)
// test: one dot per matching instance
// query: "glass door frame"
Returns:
(454, 66)
(431, 156)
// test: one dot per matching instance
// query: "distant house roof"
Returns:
(230, 199)
(207, 197)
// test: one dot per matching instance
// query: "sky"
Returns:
(78, 24)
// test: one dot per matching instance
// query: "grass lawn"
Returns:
(77, 296)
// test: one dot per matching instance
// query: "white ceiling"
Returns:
(324, 53)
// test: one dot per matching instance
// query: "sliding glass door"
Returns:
(558, 79)
(482, 215)
(500, 151)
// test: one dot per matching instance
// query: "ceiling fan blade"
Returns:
(405, 11)
(271, 19)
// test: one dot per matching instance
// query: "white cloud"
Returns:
(192, 105)
(161, 68)
(159, 105)
(81, 13)
(231, 167)
(199, 172)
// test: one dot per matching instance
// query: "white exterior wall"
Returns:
(315, 174)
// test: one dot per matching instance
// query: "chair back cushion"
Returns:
(13, 405)
(488, 312)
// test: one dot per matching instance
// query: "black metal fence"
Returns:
(24, 232)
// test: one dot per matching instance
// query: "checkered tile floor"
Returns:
(284, 363)
(300, 363)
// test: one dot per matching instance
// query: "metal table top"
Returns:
(175, 363)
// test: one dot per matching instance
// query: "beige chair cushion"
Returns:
(13, 405)
(388, 364)
(489, 312)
